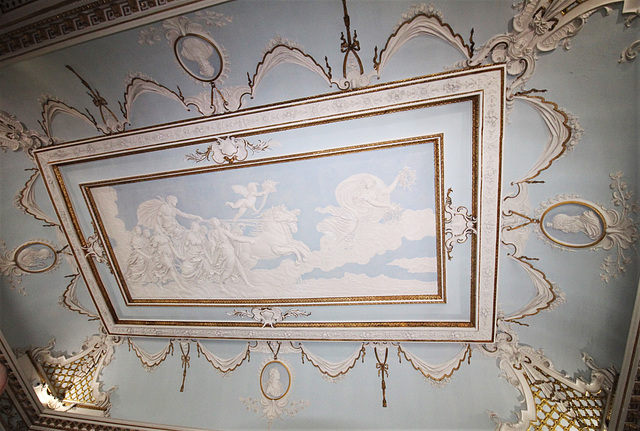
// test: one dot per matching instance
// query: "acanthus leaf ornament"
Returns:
(15, 136)
(569, 216)
(228, 150)
(541, 26)
(269, 316)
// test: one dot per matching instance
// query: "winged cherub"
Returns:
(251, 194)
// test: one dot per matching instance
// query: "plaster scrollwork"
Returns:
(229, 150)
(630, 53)
(632, 50)
(275, 382)
(15, 136)
(565, 217)
(75, 379)
(544, 389)
(93, 248)
(32, 257)
(282, 53)
(151, 35)
(269, 316)
(547, 296)
(540, 26)
(516, 226)
(25, 200)
(459, 224)
(69, 299)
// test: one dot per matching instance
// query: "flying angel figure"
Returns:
(251, 194)
(269, 316)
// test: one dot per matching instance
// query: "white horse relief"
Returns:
(173, 254)
(213, 258)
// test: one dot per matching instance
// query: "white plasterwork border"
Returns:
(487, 83)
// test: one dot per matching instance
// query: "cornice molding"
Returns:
(28, 32)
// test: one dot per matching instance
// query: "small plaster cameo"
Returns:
(275, 380)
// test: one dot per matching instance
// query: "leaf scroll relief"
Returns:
(608, 229)
(540, 26)
(269, 316)
(459, 224)
(229, 150)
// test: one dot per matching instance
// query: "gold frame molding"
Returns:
(484, 87)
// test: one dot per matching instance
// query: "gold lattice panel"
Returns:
(584, 414)
(73, 380)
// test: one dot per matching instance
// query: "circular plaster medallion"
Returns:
(574, 224)
(275, 380)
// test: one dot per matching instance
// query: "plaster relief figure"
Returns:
(273, 237)
(227, 262)
(274, 387)
(140, 259)
(198, 50)
(34, 259)
(164, 269)
(251, 194)
(197, 261)
(161, 215)
(362, 198)
(588, 223)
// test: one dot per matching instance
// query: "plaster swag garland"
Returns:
(150, 361)
(436, 374)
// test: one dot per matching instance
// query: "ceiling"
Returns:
(318, 215)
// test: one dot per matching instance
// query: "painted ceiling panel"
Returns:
(145, 171)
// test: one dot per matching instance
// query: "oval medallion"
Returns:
(573, 224)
